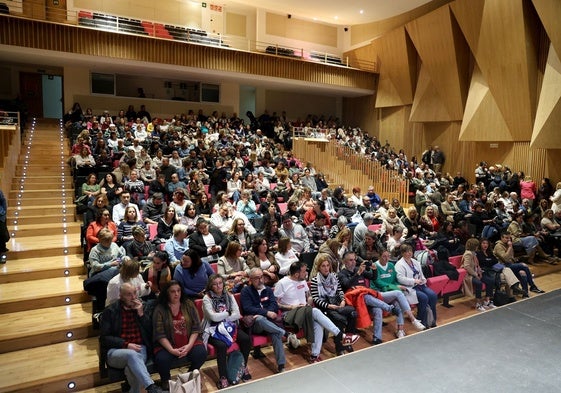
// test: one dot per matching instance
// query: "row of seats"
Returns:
(135, 26)
(330, 59)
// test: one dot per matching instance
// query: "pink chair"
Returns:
(456, 261)
(283, 207)
(437, 283)
(153, 231)
(453, 287)
(374, 227)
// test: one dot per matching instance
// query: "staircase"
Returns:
(47, 343)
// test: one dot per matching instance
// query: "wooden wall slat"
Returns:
(72, 39)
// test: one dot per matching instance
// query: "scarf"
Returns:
(327, 286)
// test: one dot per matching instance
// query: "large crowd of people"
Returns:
(207, 209)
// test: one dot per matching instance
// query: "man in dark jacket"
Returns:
(126, 332)
(258, 301)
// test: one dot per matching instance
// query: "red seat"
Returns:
(153, 231)
(214, 267)
(452, 287)
(456, 261)
(283, 207)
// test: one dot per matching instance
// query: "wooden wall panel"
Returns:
(547, 128)
(72, 39)
(506, 53)
(483, 120)
(395, 127)
(397, 64)
(443, 52)
(549, 12)
(428, 104)
(360, 112)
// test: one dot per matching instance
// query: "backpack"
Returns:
(235, 367)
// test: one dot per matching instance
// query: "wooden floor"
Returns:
(47, 340)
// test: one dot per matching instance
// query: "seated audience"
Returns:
(329, 298)
(105, 255)
(474, 279)
(285, 255)
(157, 273)
(177, 245)
(208, 242)
(232, 267)
(129, 272)
(124, 230)
(260, 256)
(125, 337)
(192, 273)
(219, 307)
(410, 275)
(258, 301)
(102, 221)
(177, 330)
(294, 298)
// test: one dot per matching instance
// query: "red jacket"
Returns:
(355, 297)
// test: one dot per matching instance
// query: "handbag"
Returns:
(189, 382)
(498, 267)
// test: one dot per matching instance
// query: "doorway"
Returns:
(52, 96)
(42, 94)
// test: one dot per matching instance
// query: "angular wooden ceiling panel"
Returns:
(428, 105)
(549, 12)
(397, 63)
(445, 56)
(505, 50)
(483, 121)
(547, 128)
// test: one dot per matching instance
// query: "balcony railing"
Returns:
(120, 24)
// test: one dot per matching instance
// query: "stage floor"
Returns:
(515, 348)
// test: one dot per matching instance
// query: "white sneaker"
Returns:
(400, 333)
(293, 340)
(479, 307)
(489, 304)
(418, 325)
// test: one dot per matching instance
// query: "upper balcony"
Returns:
(120, 38)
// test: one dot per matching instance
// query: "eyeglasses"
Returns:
(256, 277)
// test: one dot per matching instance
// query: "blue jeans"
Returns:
(264, 325)
(134, 364)
(426, 297)
(398, 300)
(163, 360)
(478, 285)
(377, 308)
(526, 278)
(321, 321)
